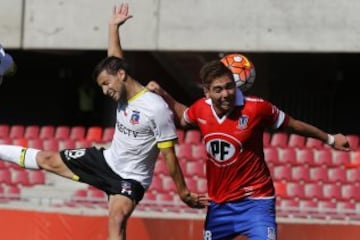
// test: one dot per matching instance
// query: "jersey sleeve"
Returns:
(190, 114)
(273, 117)
(163, 126)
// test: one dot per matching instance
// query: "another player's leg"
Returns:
(31, 158)
(120, 209)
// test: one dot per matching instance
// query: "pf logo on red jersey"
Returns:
(222, 148)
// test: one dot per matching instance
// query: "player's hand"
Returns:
(120, 14)
(156, 88)
(194, 200)
(341, 143)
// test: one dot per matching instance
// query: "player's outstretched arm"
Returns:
(191, 199)
(337, 141)
(177, 107)
(119, 16)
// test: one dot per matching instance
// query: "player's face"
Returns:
(113, 85)
(222, 93)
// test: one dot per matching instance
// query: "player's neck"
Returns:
(133, 88)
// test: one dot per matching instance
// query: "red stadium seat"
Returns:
(280, 189)
(313, 191)
(168, 184)
(160, 168)
(181, 135)
(32, 132)
(337, 175)
(319, 174)
(271, 155)
(353, 140)
(20, 142)
(108, 134)
(199, 152)
(305, 156)
(353, 175)
(35, 143)
(7, 141)
(294, 190)
(192, 136)
(62, 132)
(287, 156)
(156, 184)
(266, 139)
(282, 173)
(323, 157)
(67, 144)
(4, 131)
(77, 133)
(83, 143)
(94, 134)
(332, 192)
(314, 143)
(184, 151)
(194, 169)
(279, 139)
(341, 158)
(296, 141)
(13, 192)
(51, 144)
(47, 132)
(300, 173)
(96, 195)
(350, 192)
(20, 177)
(36, 177)
(201, 185)
(17, 131)
(5, 176)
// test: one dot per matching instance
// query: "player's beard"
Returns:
(122, 95)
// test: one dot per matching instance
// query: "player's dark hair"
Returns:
(213, 69)
(111, 64)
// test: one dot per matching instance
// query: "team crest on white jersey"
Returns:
(243, 122)
(135, 116)
(222, 148)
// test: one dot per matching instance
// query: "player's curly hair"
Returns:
(212, 70)
(111, 64)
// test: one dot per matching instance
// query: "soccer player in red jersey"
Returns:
(240, 187)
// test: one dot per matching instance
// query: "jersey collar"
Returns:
(239, 98)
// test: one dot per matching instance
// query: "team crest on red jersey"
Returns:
(222, 148)
(243, 122)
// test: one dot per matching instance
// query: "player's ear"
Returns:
(121, 74)
(206, 92)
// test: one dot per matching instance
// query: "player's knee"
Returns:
(49, 160)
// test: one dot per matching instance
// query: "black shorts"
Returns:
(90, 166)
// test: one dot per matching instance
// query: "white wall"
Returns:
(199, 25)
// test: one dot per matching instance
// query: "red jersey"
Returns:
(236, 167)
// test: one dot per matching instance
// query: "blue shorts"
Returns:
(253, 218)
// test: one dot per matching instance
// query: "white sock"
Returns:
(25, 157)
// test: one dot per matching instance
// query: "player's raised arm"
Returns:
(337, 141)
(119, 16)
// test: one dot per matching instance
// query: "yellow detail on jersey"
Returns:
(138, 94)
(22, 157)
(166, 144)
(75, 177)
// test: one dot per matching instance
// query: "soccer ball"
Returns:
(242, 68)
